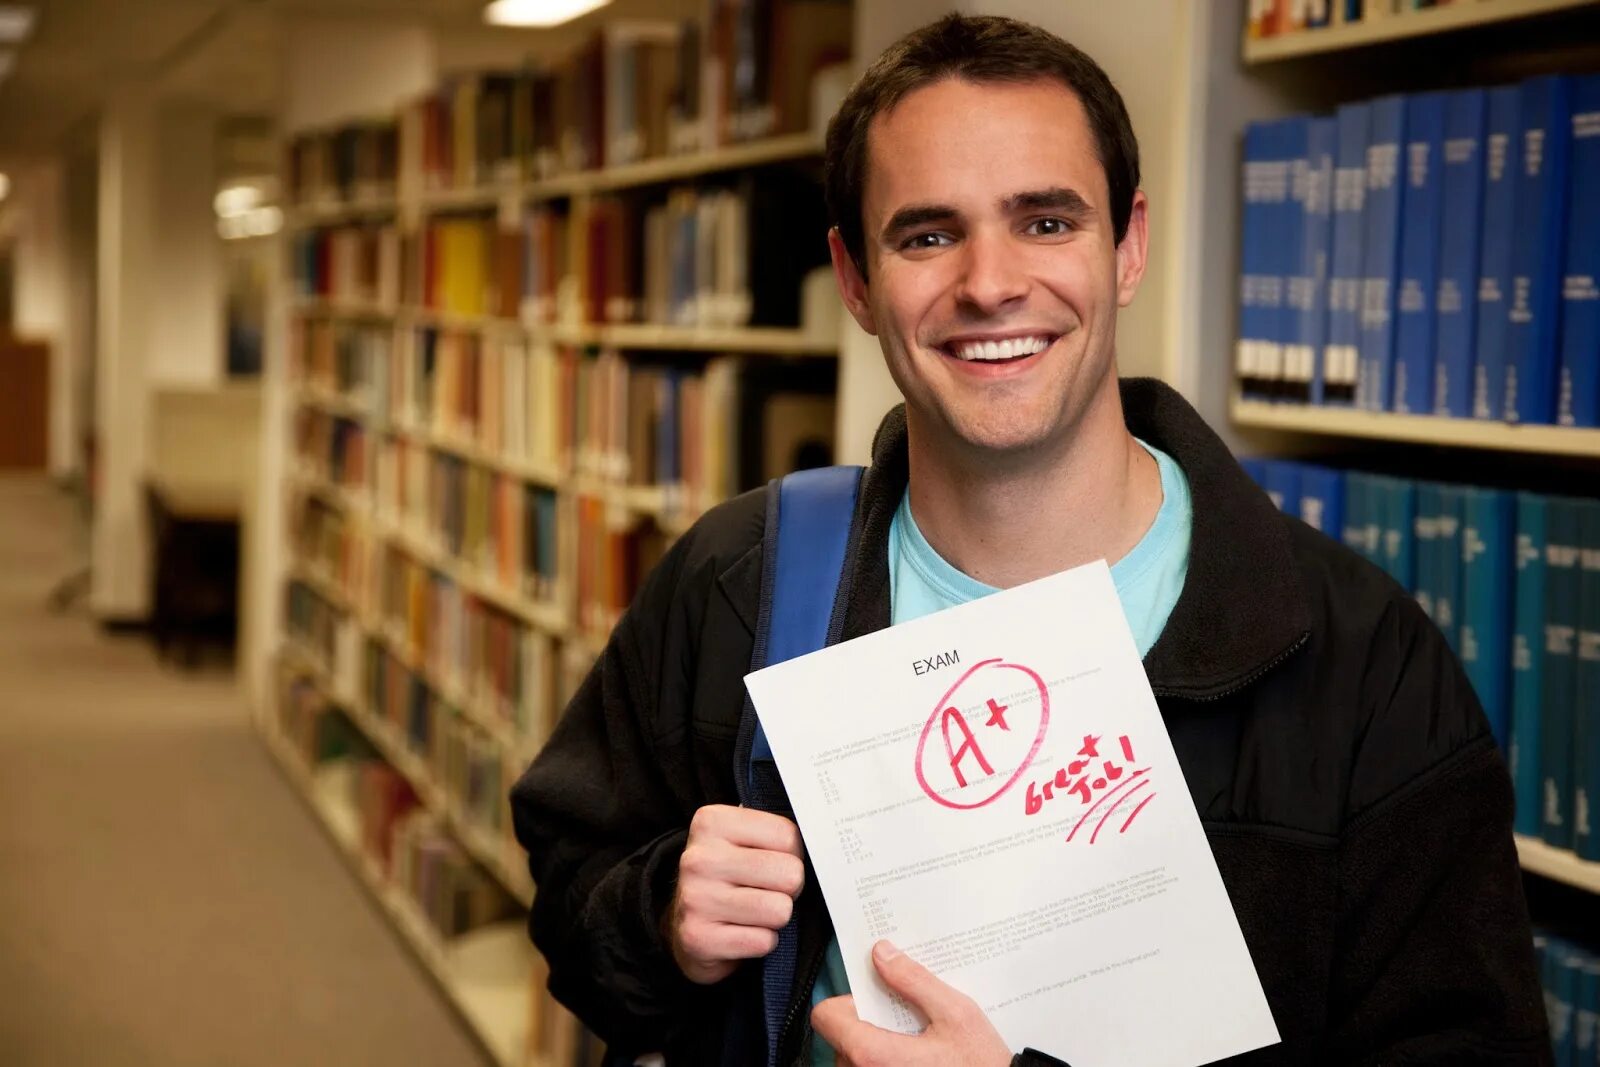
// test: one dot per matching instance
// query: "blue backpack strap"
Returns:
(809, 519)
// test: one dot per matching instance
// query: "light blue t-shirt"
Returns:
(1148, 580)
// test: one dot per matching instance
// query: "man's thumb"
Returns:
(913, 981)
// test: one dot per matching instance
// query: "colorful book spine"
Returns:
(1322, 499)
(1309, 294)
(1420, 220)
(1382, 252)
(1579, 390)
(1537, 252)
(1558, 696)
(1586, 709)
(1488, 573)
(1341, 358)
(1501, 143)
(1461, 196)
(1399, 545)
(1527, 662)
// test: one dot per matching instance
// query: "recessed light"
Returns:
(538, 12)
(16, 23)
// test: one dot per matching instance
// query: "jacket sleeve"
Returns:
(604, 819)
(1435, 961)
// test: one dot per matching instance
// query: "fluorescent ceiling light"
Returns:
(16, 23)
(538, 12)
(235, 200)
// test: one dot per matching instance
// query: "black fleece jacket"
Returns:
(1355, 802)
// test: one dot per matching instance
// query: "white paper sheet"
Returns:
(992, 789)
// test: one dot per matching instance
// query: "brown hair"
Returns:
(978, 48)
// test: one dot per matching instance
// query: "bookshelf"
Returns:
(1557, 864)
(1417, 429)
(1407, 25)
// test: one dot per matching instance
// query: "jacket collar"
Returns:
(1242, 608)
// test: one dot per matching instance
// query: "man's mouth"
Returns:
(998, 350)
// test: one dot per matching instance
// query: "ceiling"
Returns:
(226, 53)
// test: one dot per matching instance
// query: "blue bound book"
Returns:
(1501, 151)
(1285, 229)
(1586, 1013)
(1579, 391)
(1488, 570)
(1322, 499)
(1537, 251)
(1356, 504)
(1399, 530)
(1461, 196)
(1586, 710)
(1309, 293)
(1381, 247)
(1425, 525)
(1558, 696)
(1420, 218)
(1527, 662)
(1447, 564)
(1256, 468)
(1283, 485)
(1567, 963)
(1341, 354)
(1254, 259)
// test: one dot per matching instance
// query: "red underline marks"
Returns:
(1113, 808)
(1136, 812)
(1135, 776)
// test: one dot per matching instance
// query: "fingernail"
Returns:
(885, 951)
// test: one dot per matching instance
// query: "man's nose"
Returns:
(992, 273)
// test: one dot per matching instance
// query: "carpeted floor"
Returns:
(164, 898)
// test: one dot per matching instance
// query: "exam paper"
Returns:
(992, 789)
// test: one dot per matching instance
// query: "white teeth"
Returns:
(1010, 348)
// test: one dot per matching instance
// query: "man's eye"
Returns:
(926, 240)
(1048, 227)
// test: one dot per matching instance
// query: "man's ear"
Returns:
(852, 286)
(1131, 252)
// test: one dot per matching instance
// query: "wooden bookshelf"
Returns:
(1417, 429)
(485, 974)
(332, 212)
(1418, 23)
(1559, 864)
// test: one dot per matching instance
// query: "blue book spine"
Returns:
(1421, 204)
(1373, 519)
(1256, 468)
(1537, 251)
(1564, 994)
(1501, 139)
(1586, 710)
(1558, 696)
(1310, 294)
(1447, 565)
(1488, 572)
(1381, 249)
(1461, 197)
(1527, 661)
(1254, 260)
(1322, 499)
(1586, 1013)
(1283, 485)
(1288, 139)
(1425, 527)
(1399, 530)
(1341, 359)
(1578, 402)
(1354, 531)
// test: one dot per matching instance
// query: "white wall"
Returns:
(347, 69)
(127, 238)
(186, 325)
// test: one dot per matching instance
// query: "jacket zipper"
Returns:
(1243, 683)
(802, 996)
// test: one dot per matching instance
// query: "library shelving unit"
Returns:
(1438, 47)
(474, 484)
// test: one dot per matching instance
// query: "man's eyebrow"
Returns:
(914, 215)
(1056, 198)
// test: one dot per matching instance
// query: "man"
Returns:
(983, 178)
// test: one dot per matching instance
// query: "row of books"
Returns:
(1513, 581)
(325, 633)
(717, 256)
(1274, 18)
(1570, 974)
(633, 90)
(1434, 253)
(614, 555)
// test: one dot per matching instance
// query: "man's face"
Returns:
(994, 272)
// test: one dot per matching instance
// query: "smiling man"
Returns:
(983, 178)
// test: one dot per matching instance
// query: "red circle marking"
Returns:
(1038, 740)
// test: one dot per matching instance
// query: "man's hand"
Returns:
(737, 879)
(958, 1033)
